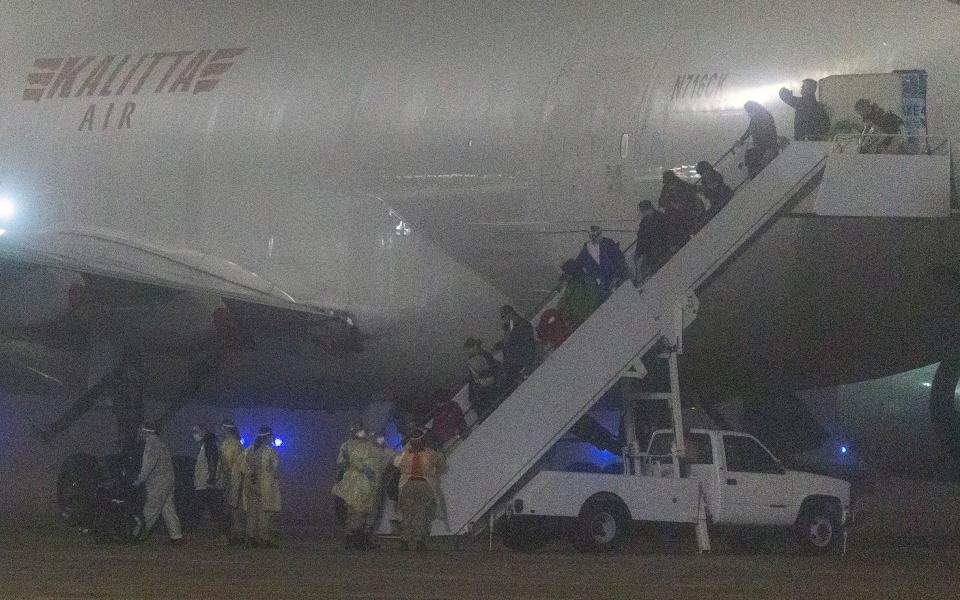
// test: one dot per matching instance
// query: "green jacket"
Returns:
(580, 297)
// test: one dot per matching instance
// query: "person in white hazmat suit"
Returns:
(358, 457)
(157, 478)
(261, 489)
(230, 478)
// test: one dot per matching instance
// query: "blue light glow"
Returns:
(277, 442)
(601, 457)
(843, 449)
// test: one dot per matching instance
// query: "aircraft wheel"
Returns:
(77, 489)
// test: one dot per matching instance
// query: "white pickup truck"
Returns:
(738, 480)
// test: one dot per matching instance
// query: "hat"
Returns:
(703, 167)
(506, 309)
(811, 83)
(149, 426)
(863, 105)
(471, 342)
(228, 424)
(264, 431)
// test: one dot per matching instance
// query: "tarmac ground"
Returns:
(48, 560)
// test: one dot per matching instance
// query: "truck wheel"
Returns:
(818, 529)
(601, 526)
(523, 534)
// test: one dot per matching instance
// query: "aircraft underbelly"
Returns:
(818, 301)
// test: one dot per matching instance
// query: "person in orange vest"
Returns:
(420, 469)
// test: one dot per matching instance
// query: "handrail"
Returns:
(559, 286)
(903, 144)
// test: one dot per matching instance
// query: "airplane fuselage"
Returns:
(413, 165)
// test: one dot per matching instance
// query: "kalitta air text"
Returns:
(126, 75)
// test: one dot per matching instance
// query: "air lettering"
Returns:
(124, 121)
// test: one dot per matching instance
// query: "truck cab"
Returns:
(744, 484)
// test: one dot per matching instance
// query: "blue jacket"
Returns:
(611, 266)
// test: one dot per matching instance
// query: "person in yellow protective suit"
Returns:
(358, 457)
(261, 489)
(230, 479)
(420, 469)
(379, 461)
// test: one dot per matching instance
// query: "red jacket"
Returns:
(447, 418)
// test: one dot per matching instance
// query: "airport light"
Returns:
(277, 442)
(7, 208)
(843, 449)
(926, 384)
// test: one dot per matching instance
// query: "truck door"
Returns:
(703, 469)
(751, 480)
(699, 458)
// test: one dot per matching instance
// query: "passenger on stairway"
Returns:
(552, 329)
(810, 120)
(447, 420)
(881, 126)
(519, 349)
(713, 188)
(580, 296)
(682, 210)
(484, 378)
(762, 130)
(603, 261)
(652, 246)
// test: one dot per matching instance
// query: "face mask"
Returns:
(197, 437)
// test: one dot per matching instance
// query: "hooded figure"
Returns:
(157, 478)
(358, 486)
(261, 488)
(714, 188)
(230, 478)
(206, 482)
(420, 469)
(878, 122)
(682, 210)
(763, 131)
